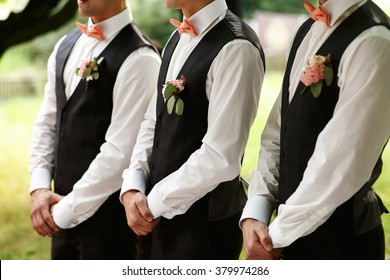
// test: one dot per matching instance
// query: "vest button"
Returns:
(159, 121)
(281, 179)
(284, 128)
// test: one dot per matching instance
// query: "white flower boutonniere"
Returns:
(171, 91)
(317, 71)
(89, 70)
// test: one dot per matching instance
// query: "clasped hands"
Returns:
(139, 217)
(258, 242)
(42, 202)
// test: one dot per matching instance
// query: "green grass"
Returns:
(17, 239)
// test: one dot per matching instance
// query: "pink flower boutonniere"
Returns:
(171, 91)
(89, 70)
(317, 70)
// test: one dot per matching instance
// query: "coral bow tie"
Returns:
(318, 13)
(184, 26)
(93, 31)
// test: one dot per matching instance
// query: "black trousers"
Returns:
(216, 240)
(104, 236)
(366, 246)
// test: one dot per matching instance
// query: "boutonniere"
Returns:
(89, 70)
(171, 92)
(317, 71)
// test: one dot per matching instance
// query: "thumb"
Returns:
(56, 198)
(144, 210)
(265, 238)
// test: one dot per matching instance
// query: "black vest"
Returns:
(306, 116)
(177, 137)
(83, 120)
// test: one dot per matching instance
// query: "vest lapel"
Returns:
(62, 56)
(168, 52)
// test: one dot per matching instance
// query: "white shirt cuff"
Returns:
(132, 180)
(40, 179)
(258, 208)
(63, 215)
(279, 240)
(158, 208)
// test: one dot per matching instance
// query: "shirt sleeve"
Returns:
(43, 138)
(135, 176)
(263, 186)
(351, 143)
(132, 92)
(237, 68)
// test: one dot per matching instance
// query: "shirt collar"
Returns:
(337, 8)
(113, 25)
(202, 19)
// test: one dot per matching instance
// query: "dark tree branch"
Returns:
(38, 17)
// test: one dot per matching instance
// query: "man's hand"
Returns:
(42, 201)
(139, 217)
(257, 241)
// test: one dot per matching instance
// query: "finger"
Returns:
(48, 218)
(261, 255)
(38, 223)
(147, 227)
(40, 226)
(140, 231)
(141, 227)
(253, 248)
(136, 222)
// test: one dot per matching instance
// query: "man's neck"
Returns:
(194, 7)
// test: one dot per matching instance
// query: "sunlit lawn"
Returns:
(17, 239)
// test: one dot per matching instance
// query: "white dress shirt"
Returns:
(237, 68)
(347, 148)
(136, 83)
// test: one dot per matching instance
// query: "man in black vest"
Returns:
(322, 144)
(183, 180)
(101, 78)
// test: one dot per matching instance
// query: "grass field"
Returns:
(17, 239)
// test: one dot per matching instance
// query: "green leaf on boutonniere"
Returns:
(328, 75)
(95, 75)
(170, 105)
(87, 72)
(179, 108)
(169, 89)
(316, 89)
